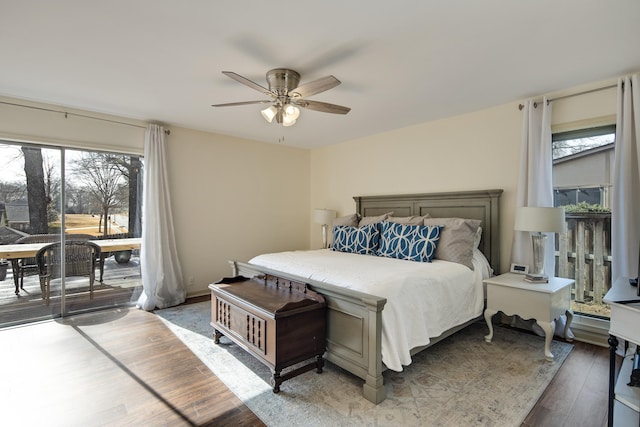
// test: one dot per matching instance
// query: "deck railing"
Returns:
(583, 253)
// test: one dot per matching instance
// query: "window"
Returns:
(574, 196)
(582, 180)
(91, 195)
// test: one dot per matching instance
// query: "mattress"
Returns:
(424, 299)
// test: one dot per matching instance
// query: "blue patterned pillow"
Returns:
(358, 240)
(410, 242)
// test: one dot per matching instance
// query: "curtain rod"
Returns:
(535, 104)
(66, 114)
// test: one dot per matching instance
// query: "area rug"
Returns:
(461, 381)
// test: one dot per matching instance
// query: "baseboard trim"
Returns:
(199, 293)
(591, 330)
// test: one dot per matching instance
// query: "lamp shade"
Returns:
(292, 111)
(540, 219)
(269, 113)
(287, 121)
(323, 216)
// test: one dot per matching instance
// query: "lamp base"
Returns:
(539, 241)
(324, 236)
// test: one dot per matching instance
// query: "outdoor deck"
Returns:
(121, 284)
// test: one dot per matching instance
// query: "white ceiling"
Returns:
(400, 62)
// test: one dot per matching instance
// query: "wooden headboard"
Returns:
(482, 205)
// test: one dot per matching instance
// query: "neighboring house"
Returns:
(17, 214)
(584, 177)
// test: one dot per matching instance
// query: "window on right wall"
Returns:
(582, 181)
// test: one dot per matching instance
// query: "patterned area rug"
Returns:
(461, 381)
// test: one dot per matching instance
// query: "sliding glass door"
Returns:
(55, 194)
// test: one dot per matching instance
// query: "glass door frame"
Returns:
(126, 283)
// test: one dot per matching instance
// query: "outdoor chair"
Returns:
(81, 258)
(27, 266)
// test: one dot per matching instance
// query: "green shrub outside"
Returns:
(584, 207)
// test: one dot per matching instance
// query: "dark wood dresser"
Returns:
(278, 321)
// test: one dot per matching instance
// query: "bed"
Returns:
(356, 338)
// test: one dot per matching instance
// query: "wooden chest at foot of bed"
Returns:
(278, 321)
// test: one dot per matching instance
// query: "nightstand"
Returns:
(544, 302)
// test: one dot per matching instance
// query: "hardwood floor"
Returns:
(112, 368)
(577, 396)
(124, 367)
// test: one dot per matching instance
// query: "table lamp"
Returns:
(324, 217)
(539, 220)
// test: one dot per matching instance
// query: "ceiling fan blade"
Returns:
(245, 81)
(233, 104)
(322, 106)
(316, 86)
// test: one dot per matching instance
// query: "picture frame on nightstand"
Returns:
(519, 268)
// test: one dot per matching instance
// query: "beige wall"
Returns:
(470, 152)
(234, 199)
(475, 151)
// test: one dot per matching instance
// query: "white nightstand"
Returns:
(544, 302)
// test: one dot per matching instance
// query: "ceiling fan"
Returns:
(287, 95)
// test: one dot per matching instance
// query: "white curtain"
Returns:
(535, 188)
(160, 268)
(535, 184)
(625, 209)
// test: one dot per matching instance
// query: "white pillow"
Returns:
(481, 262)
(477, 238)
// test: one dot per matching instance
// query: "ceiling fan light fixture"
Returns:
(288, 121)
(292, 112)
(269, 113)
(287, 95)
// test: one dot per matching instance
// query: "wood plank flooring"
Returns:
(112, 368)
(577, 395)
(124, 367)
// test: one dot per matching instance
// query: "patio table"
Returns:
(29, 250)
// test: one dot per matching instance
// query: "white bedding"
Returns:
(423, 299)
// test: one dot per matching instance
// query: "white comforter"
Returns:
(423, 299)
